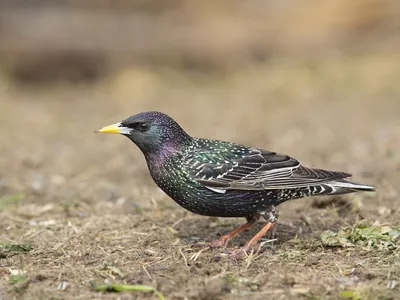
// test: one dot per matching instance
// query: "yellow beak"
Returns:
(115, 128)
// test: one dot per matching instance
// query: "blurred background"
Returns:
(47, 41)
(317, 80)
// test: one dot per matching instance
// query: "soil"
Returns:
(87, 210)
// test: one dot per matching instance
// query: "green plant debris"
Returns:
(118, 288)
(353, 295)
(18, 278)
(8, 200)
(292, 256)
(19, 282)
(230, 278)
(372, 237)
(362, 293)
(108, 270)
(16, 247)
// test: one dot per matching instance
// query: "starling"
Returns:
(223, 179)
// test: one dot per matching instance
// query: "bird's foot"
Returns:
(223, 240)
(219, 243)
(236, 255)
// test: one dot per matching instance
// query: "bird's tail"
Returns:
(343, 186)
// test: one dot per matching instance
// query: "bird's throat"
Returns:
(157, 159)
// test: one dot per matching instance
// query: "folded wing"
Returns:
(253, 169)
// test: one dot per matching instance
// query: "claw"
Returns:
(218, 243)
(232, 254)
(238, 255)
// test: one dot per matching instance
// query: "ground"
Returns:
(79, 209)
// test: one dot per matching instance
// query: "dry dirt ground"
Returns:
(76, 207)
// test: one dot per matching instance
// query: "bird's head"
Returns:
(152, 132)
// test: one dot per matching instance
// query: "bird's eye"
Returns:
(143, 126)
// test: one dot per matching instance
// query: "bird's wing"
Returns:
(252, 169)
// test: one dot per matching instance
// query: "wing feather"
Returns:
(252, 169)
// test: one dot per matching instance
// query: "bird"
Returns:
(223, 179)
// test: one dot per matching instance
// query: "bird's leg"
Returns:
(224, 239)
(272, 214)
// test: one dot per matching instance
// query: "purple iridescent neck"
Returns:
(157, 159)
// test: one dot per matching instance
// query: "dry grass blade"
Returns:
(196, 255)
(184, 259)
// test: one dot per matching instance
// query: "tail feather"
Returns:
(344, 187)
